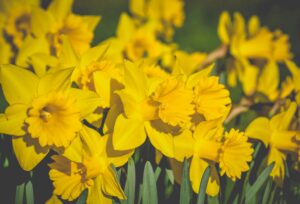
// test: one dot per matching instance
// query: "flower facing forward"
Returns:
(154, 110)
(87, 165)
(43, 113)
(208, 147)
(275, 134)
(59, 21)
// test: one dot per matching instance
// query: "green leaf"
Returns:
(252, 190)
(267, 192)
(29, 193)
(213, 200)
(185, 190)
(149, 186)
(82, 198)
(20, 193)
(203, 185)
(130, 183)
(170, 176)
(157, 172)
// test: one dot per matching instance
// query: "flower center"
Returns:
(95, 166)
(53, 119)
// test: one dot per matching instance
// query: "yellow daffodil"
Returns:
(275, 134)
(208, 147)
(87, 165)
(43, 113)
(168, 13)
(135, 42)
(59, 21)
(211, 99)
(152, 111)
(18, 16)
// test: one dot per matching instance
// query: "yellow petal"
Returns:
(125, 28)
(135, 80)
(183, 145)
(269, 80)
(160, 140)
(18, 85)
(197, 170)
(117, 158)
(95, 194)
(295, 70)
(259, 129)
(12, 122)
(278, 171)
(282, 120)
(28, 152)
(60, 9)
(93, 143)
(253, 25)
(74, 151)
(87, 101)
(128, 133)
(137, 7)
(42, 22)
(224, 27)
(111, 186)
(55, 81)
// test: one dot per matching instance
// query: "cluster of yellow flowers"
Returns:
(93, 106)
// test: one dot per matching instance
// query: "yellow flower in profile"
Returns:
(154, 111)
(275, 134)
(58, 21)
(43, 113)
(87, 165)
(18, 16)
(208, 147)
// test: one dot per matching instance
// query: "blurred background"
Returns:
(199, 32)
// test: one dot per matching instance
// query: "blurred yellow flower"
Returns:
(275, 134)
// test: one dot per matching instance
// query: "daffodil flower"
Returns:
(58, 21)
(135, 42)
(211, 99)
(154, 111)
(208, 147)
(43, 113)
(275, 134)
(17, 16)
(87, 165)
(168, 13)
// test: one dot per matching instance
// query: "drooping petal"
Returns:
(19, 85)
(12, 122)
(28, 152)
(110, 185)
(278, 171)
(197, 170)
(117, 158)
(260, 129)
(128, 133)
(183, 145)
(95, 194)
(160, 140)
